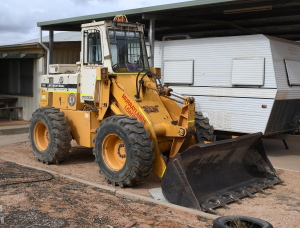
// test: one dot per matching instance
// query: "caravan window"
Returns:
(293, 72)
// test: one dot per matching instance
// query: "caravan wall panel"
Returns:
(230, 113)
(229, 107)
(213, 57)
(281, 50)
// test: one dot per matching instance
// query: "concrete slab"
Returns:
(6, 122)
(282, 158)
(14, 129)
(10, 139)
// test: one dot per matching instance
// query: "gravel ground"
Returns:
(280, 206)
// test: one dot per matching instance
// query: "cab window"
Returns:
(93, 47)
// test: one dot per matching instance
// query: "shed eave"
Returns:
(20, 56)
(17, 45)
(134, 11)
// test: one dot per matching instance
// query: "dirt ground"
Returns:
(59, 202)
(67, 203)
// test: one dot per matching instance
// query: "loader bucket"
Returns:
(207, 176)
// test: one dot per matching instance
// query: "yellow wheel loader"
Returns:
(113, 102)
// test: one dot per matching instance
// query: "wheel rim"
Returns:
(41, 136)
(114, 152)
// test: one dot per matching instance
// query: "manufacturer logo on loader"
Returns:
(43, 97)
(61, 80)
(72, 99)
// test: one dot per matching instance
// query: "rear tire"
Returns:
(204, 131)
(123, 150)
(49, 135)
(240, 221)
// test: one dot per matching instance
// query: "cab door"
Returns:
(92, 58)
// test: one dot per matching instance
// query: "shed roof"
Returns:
(205, 18)
(59, 37)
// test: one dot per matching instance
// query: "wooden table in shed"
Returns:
(8, 104)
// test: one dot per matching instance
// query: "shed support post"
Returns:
(46, 48)
(151, 36)
(51, 43)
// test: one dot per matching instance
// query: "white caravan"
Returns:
(244, 84)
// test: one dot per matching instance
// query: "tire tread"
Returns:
(60, 146)
(141, 149)
(204, 131)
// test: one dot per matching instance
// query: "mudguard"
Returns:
(207, 176)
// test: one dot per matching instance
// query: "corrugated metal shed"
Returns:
(66, 51)
(59, 37)
(206, 18)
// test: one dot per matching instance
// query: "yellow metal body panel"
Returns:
(156, 112)
(44, 98)
(173, 109)
(124, 91)
(60, 99)
(83, 125)
(102, 92)
(159, 165)
(187, 119)
(149, 109)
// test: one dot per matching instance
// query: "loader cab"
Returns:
(128, 52)
(118, 46)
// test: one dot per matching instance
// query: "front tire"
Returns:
(49, 135)
(204, 131)
(123, 150)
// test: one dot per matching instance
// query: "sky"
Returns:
(18, 18)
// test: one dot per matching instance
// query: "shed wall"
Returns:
(64, 53)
